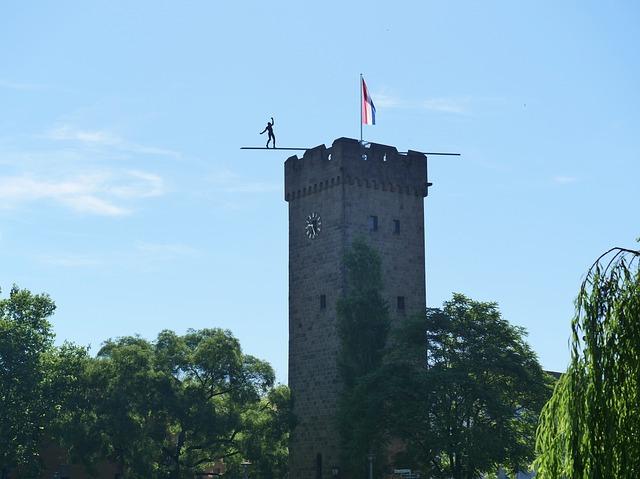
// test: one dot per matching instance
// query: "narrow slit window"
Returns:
(323, 301)
(400, 303)
(396, 227)
(373, 223)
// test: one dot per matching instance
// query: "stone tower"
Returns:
(335, 195)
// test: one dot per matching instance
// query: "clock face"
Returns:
(313, 225)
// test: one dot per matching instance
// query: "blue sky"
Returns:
(124, 195)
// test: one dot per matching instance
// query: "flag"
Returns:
(368, 109)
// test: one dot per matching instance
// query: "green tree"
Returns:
(363, 327)
(41, 386)
(265, 441)
(472, 403)
(163, 409)
(25, 341)
(214, 384)
(74, 416)
(171, 408)
(125, 402)
(591, 427)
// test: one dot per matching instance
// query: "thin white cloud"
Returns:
(94, 193)
(564, 180)
(383, 100)
(93, 205)
(68, 133)
(10, 85)
(454, 105)
(70, 260)
(104, 138)
(140, 185)
(73, 168)
(27, 188)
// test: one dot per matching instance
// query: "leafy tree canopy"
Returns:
(265, 443)
(472, 403)
(167, 408)
(363, 327)
(591, 426)
(173, 407)
(25, 339)
(363, 315)
(37, 380)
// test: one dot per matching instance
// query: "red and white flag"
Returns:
(368, 109)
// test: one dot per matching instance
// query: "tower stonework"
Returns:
(336, 195)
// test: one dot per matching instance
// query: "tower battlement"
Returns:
(348, 161)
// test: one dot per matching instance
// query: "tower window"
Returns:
(373, 223)
(323, 301)
(400, 303)
(318, 466)
(396, 227)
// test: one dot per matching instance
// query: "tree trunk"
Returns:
(176, 458)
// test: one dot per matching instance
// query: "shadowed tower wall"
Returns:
(371, 192)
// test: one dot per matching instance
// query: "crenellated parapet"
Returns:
(349, 162)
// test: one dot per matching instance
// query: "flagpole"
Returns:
(360, 107)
